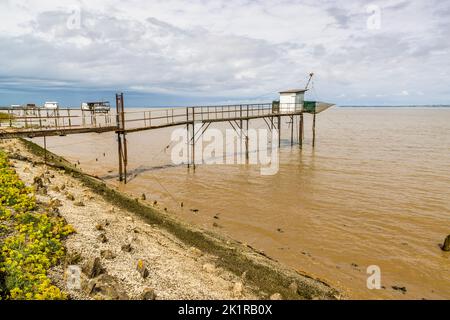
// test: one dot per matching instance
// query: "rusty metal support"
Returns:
(187, 139)
(121, 138)
(279, 131)
(193, 138)
(300, 131)
(292, 130)
(314, 130)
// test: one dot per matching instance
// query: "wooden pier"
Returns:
(197, 119)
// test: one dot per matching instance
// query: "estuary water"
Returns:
(374, 191)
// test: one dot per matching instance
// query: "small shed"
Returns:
(292, 100)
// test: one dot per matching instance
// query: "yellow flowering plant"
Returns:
(32, 241)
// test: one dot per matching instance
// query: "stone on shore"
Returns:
(127, 248)
(105, 287)
(107, 254)
(142, 269)
(446, 245)
(276, 296)
(238, 288)
(148, 294)
(209, 267)
(93, 268)
(102, 238)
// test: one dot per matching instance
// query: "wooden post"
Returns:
(193, 138)
(70, 120)
(314, 130)
(246, 138)
(119, 144)
(10, 115)
(300, 131)
(292, 130)
(187, 139)
(446, 245)
(241, 132)
(279, 131)
(40, 119)
(121, 138)
(45, 150)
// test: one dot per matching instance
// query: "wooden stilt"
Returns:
(314, 130)
(279, 131)
(193, 138)
(45, 150)
(292, 130)
(246, 142)
(119, 144)
(121, 138)
(300, 131)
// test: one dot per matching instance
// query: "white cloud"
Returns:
(233, 49)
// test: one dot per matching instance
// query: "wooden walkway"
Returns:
(38, 122)
(62, 122)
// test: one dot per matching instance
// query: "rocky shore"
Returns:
(126, 249)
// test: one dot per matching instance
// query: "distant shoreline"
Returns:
(212, 105)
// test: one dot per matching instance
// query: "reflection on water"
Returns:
(374, 191)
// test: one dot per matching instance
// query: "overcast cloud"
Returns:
(174, 52)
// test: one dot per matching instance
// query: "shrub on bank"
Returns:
(30, 241)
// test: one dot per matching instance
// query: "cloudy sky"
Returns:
(172, 52)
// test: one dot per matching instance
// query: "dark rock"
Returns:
(148, 294)
(93, 268)
(276, 296)
(446, 245)
(142, 269)
(127, 248)
(102, 238)
(402, 289)
(42, 191)
(55, 203)
(37, 181)
(79, 204)
(72, 258)
(105, 287)
(70, 197)
(143, 197)
(107, 254)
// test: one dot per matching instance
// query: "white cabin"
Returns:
(292, 100)
(51, 105)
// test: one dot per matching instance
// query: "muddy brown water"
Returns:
(374, 191)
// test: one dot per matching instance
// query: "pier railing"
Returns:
(67, 120)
